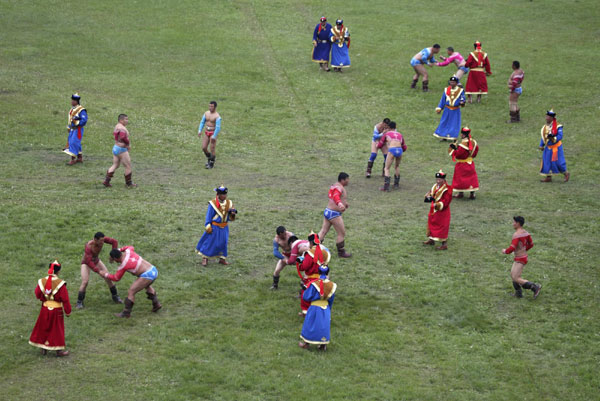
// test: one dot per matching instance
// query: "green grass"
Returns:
(408, 323)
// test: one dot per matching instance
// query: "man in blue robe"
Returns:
(317, 323)
(77, 119)
(340, 39)
(322, 44)
(213, 243)
(452, 100)
(553, 157)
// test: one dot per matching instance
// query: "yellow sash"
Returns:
(50, 304)
(467, 160)
(320, 302)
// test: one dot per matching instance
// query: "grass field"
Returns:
(409, 323)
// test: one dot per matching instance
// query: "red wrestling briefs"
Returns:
(209, 133)
(522, 260)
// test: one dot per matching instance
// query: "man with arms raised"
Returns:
(332, 216)
(211, 121)
(281, 240)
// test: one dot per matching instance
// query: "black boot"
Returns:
(275, 283)
(518, 291)
(386, 185)
(414, 83)
(396, 181)
(369, 168)
(425, 86)
(109, 177)
(115, 297)
(211, 162)
(155, 304)
(535, 288)
(518, 115)
(127, 310)
(80, 298)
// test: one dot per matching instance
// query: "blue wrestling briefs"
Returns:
(331, 214)
(414, 62)
(518, 90)
(396, 152)
(150, 274)
(117, 150)
(464, 69)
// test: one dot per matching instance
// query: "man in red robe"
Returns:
(308, 269)
(438, 221)
(49, 331)
(465, 175)
(479, 66)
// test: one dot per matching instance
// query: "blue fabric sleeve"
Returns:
(442, 101)
(210, 213)
(202, 124)
(83, 117)
(559, 134)
(375, 132)
(462, 97)
(311, 294)
(541, 142)
(330, 300)
(217, 127)
(276, 252)
(316, 31)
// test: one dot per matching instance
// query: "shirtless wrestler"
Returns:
(211, 121)
(332, 216)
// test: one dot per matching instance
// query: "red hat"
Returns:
(323, 18)
(48, 287)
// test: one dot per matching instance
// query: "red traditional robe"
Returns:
(49, 330)
(310, 267)
(465, 175)
(438, 221)
(478, 65)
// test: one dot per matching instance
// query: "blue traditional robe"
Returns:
(340, 58)
(450, 123)
(320, 53)
(77, 119)
(317, 323)
(215, 244)
(553, 157)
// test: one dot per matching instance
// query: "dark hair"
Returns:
(387, 121)
(520, 220)
(99, 235)
(516, 64)
(311, 237)
(292, 239)
(436, 46)
(213, 102)
(280, 230)
(121, 116)
(56, 267)
(115, 254)
(475, 45)
(392, 124)
(342, 176)
(451, 48)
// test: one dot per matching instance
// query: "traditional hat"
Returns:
(48, 286)
(339, 21)
(75, 96)
(477, 44)
(466, 130)
(453, 79)
(440, 174)
(323, 18)
(551, 113)
(221, 190)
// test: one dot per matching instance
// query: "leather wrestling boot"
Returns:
(341, 251)
(547, 179)
(396, 182)
(429, 242)
(109, 177)
(567, 176)
(386, 185)
(127, 310)
(61, 353)
(369, 169)
(128, 181)
(224, 262)
(115, 297)
(155, 304)
(414, 84)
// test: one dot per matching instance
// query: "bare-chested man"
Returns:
(120, 152)
(396, 147)
(91, 261)
(212, 120)
(332, 216)
(520, 244)
(281, 240)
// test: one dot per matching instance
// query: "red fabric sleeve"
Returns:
(117, 276)
(63, 296)
(124, 138)
(306, 263)
(88, 259)
(471, 62)
(528, 243)
(112, 241)
(39, 294)
(404, 147)
(335, 195)
(381, 141)
(513, 246)
(126, 248)
(475, 151)
(486, 64)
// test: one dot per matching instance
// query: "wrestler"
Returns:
(91, 261)
(514, 86)
(298, 247)
(378, 131)
(146, 275)
(396, 145)
(281, 240)
(332, 216)
(520, 244)
(120, 152)
(456, 58)
(322, 44)
(76, 121)
(212, 120)
(49, 331)
(418, 62)
(438, 219)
